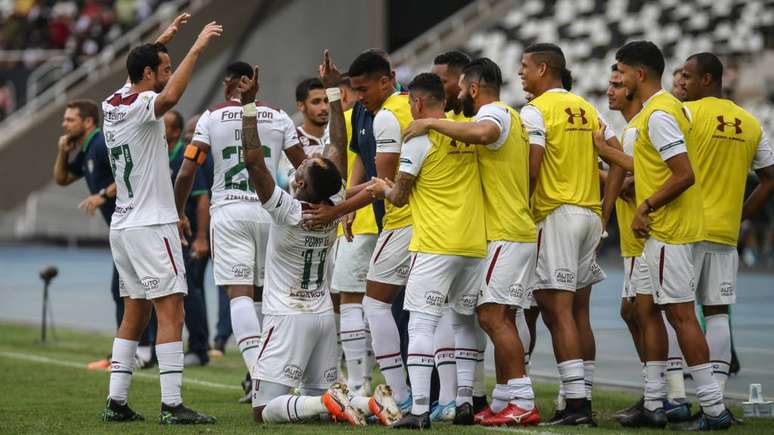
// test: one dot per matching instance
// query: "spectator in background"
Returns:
(7, 98)
(82, 134)
(195, 245)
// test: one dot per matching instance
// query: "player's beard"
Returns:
(452, 104)
(468, 106)
(630, 93)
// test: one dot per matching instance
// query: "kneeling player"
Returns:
(298, 343)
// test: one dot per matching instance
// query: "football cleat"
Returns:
(116, 412)
(481, 415)
(677, 412)
(463, 414)
(643, 417)
(705, 422)
(512, 415)
(337, 403)
(181, 414)
(443, 412)
(383, 405)
(411, 421)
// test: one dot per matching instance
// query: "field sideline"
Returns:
(46, 389)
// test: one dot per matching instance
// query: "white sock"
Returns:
(479, 380)
(645, 374)
(370, 359)
(121, 369)
(521, 393)
(353, 343)
(571, 375)
(588, 376)
(170, 356)
(420, 361)
(501, 395)
(247, 329)
(655, 385)
(523, 330)
(674, 374)
(339, 349)
(289, 408)
(707, 390)
(258, 306)
(466, 355)
(718, 336)
(445, 363)
(145, 353)
(386, 343)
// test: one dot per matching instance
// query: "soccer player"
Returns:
(566, 208)
(312, 102)
(373, 80)
(666, 218)
(144, 237)
(439, 178)
(195, 243)
(239, 227)
(729, 141)
(503, 160)
(298, 344)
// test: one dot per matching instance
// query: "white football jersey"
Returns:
(298, 270)
(221, 128)
(313, 145)
(138, 154)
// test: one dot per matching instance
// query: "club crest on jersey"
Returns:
(150, 283)
(434, 298)
(571, 116)
(722, 124)
(292, 372)
(242, 271)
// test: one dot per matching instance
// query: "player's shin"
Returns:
(420, 359)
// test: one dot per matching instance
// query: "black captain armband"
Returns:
(195, 154)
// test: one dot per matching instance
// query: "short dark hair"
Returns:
(238, 69)
(430, 84)
(553, 56)
(325, 178)
(369, 63)
(642, 53)
(86, 109)
(708, 63)
(345, 81)
(453, 59)
(177, 122)
(142, 56)
(307, 85)
(483, 70)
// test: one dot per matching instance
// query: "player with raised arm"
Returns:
(239, 227)
(729, 141)
(666, 218)
(508, 273)
(144, 238)
(439, 178)
(298, 343)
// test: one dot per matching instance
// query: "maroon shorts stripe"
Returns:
(413, 260)
(248, 338)
(392, 355)
(420, 355)
(492, 264)
(381, 248)
(266, 343)
(661, 261)
(169, 252)
(631, 269)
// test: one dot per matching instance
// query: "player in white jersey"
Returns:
(312, 102)
(239, 227)
(298, 344)
(144, 238)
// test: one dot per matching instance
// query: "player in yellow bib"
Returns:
(729, 142)
(509, 269)
(438, 178)
(666, 218)
(566, 208)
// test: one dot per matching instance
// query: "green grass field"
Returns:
(47, 389)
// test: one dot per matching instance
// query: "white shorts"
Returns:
(437, 279)
(238, 236)
(671, 272)
(627, 290)
(149, 260)
(391, 258)
(567, 249)
(508, 274)
(352, 260)
(715, 267)
(298, 350)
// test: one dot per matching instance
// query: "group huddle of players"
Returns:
(486, 215)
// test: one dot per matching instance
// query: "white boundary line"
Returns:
(77, 365)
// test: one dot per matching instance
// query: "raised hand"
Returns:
(172, 29)
(248, 87)
(209, 31)
(329, 74)
(417, 127)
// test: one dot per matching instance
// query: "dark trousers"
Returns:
(402, 320)
(223, 328)
(195, 307)
(148, 337)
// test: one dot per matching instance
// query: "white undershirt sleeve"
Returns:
(764, 156)
(535, 125)
(413, 154)
(387, 132)
(665, 135)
